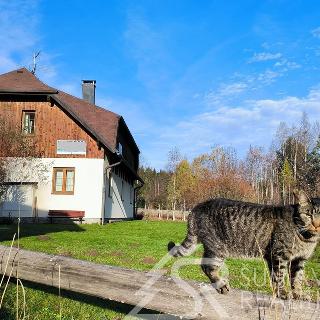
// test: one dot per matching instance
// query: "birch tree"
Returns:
(174, 157)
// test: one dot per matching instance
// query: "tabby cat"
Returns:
(285, 236)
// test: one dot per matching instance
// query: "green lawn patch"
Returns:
(136, 244)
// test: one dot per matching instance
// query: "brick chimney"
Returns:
(89, 90)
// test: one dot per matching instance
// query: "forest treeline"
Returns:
(292, 161)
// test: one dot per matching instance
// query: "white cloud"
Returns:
(20, 39)
(18, 21)
(265, 56)
(231, 89)
(286, 65)
(254, 122)
(269, 76)
(316, 32)
(225, 91)
(250, 82)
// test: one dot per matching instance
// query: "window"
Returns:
(63, 181)
(28, 122)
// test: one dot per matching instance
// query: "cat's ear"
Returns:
(301, 197)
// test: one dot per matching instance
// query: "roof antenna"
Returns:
(34, 67)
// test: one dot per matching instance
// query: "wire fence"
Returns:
(156, 214)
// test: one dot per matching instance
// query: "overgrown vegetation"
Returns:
(137, 245)
(293, 160)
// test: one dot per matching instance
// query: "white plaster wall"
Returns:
(18, 201)
(115, 208)
(88, 186)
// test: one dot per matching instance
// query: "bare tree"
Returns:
(293, 160)
(20, 156)
(174, 157)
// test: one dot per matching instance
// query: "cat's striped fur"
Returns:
(285, 236)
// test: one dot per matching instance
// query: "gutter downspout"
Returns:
(135, 193)
(107, 168)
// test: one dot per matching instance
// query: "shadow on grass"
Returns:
(6, 314)
(28, 229)
(118, 307)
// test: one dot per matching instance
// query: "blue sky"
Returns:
(185, 73)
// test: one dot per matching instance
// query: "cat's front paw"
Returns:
(300, 295)
(296, 295)
(224, 290)
(222, 286)
(284, 295)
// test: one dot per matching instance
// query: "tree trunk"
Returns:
(295, 162)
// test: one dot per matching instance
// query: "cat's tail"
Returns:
(189, 243)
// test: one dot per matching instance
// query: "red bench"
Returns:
(69, 214)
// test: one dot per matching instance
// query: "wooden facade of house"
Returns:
(51, 124)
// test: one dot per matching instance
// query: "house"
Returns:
(89, 159)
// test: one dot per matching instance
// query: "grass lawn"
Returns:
(137, 245)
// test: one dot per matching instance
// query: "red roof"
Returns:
(23, 81)
(103, 124)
